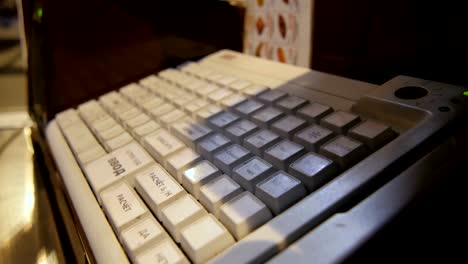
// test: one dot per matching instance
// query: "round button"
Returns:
(411, 92)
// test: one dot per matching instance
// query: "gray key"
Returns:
(314, 112)
(343, 150)
(313, 137)
(291, 104)
(271, 96)
(247, 108)
(251, 172)
(373, 133)
(209, 145)
(280, 191)
(260, 141)
(313, 170)
(240, 129)
(227, 159)
(191, 132)
(267, 116)
(289, 125)
(340, 121)
(222, 120)
(283, 154)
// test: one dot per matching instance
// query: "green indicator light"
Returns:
(465, 93)
(39, 12)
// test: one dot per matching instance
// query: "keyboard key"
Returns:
(233, 100)
(255, 90)
(247, 108)
(163, 252)
(291, 104)
(344, 151)
(340, 121)
(240, 129)
(79, 137)
(137, 121)
(140, 234)
(267, 116)
(122, 205)
(222, 120)
(313, 170)
(228, 158)
(162, 144)
(207, 89)
(104, 124)
(289, 125)
(191, 132)
(91, 154)
(180, 214)
(243, 214)
(110, 133)
(260, 141)
(251, 172)
(211, 144)
(178, 163)
(200, 174)
(218, 191)
(272, 96)
(205, 238)
(314, 112)
(162, 110)
(283, 154)
(145, 129)
(116, 165)
(129, 114)
(208, 112)
(219, 95)
(192, 107)
(226, 80)
(67, 118)
(171, 117)
(372, 133)
(158, 188)
(118, 141)
(239, 85)
(280, 191)
(313, 137)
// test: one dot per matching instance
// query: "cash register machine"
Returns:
(164, 144)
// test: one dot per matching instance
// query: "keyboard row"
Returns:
(243, 153)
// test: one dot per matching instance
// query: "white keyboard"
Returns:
(231, 159)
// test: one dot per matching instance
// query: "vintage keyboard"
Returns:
(233, 158)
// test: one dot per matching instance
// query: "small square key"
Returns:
(271, 96)
(267, 116)
(373, 133)
(218, 191)
(314, 112)
(255, 90)
(227, 159)
(240, 129)
(251, 172)
(313, 170)
(291, 104)
(247, 108)
(260, 141)
(313, 137)
(280, 191)
(289, 125)
(340, 121)
(344, 151)
(222, 120)
(211, 144)
(198, 175)
(283, 154)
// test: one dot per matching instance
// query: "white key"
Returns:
(226, 80)
(122, 205)
(149, 80)
(129, 114)
(110, 133)
(137, 121)
(140, 234)
(255, 90)
(117, 142)
(208, 112)
(79, 137)
(171, 117)
(162, 144)
(103, 124)
(191, 132)
(219, 95)
(192, 107)
(91, 154)
(239, 85)
(197, 176)
(152, 103)
(207, 89)
(67, 118)
(116, 165)
(243, 214)
(157, 188)
(218, 191)
(233, 100)
(215, 76)
(205, 238)
(163, 252)
(162, 110)
(177, 164)
(180, 214)
(195, 85)
(145, 129)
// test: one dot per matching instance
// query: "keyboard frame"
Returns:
(419, 124)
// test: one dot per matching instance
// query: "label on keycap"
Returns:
(161, 144)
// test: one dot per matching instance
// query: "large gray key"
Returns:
(247, 108)
(227, 159)
(313, 137)
(314, 112)
(240, 129)
(267, 116)
(340, 121)
(313, 170)
(280, 191)
(373, 133)
(260, 141)
(211, 144)
(251, 172)
(343, 150)
(291, 104)
(287, 126)
(283, 154)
